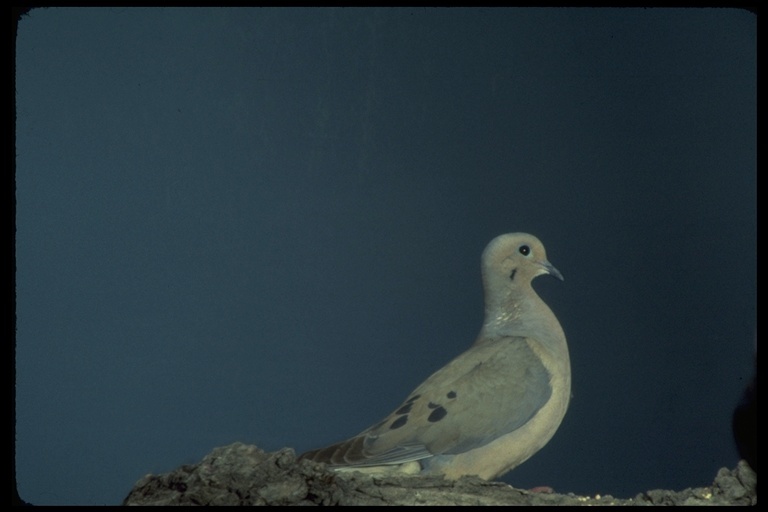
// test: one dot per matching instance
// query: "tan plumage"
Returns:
(495, 405)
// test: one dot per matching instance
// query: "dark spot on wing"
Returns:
(432, 406)
(437, 415)
(512, 275)
(405, 409)
(451, 394)
(414, 397)
(399, 422)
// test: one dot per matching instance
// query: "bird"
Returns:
(494, 405)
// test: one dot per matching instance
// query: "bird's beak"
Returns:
(551, 270)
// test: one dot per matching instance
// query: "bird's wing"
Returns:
(492, 389)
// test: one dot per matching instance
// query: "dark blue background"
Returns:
(265, 225)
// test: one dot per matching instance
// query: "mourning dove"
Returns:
(493, 406)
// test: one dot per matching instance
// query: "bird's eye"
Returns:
(525, 250)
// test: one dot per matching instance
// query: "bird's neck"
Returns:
(517, 311)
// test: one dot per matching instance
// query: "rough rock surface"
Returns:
(241, 474)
